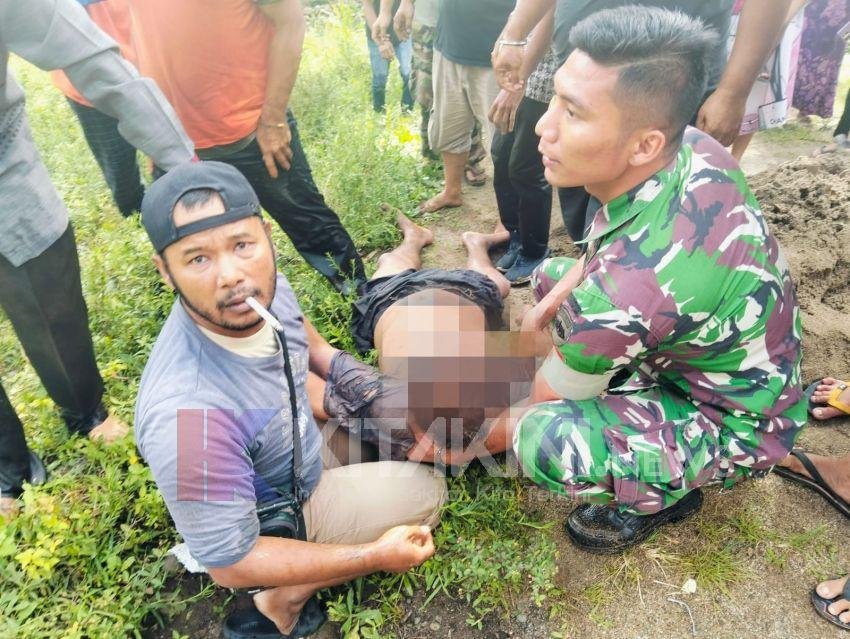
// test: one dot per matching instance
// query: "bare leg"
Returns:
(450, 196)
(407, 254)
(477, 245)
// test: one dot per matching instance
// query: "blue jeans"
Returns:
(381, 72)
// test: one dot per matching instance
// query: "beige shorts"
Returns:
(462, 95)
(357, 503)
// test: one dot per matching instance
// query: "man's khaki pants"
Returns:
(356, 503)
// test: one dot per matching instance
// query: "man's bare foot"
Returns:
(821, 396)
(831, 589)
(109, 430)
(282, 605)
(413, 232)
(440, 201)
(476, 241)
(834, 470)
(9, 509)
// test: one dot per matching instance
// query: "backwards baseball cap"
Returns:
(239, 199)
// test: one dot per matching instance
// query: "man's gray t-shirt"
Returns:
(714, 13)
(216, 429)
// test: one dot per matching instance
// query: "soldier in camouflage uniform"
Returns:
(682, 286)
(682, 290)
(685, 287)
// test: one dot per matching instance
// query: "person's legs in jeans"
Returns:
(295, 203)
(114, 155)
(380, 73)
(404, 55)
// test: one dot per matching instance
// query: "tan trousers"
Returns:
(357, 503)
(462, 95)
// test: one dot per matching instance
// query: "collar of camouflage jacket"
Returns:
(655, 193)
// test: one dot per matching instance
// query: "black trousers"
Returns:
(295, 203)
(43, 299)
(114, 155)
(523, 195)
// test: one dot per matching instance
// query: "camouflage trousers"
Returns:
(422, 88)
(642, 449)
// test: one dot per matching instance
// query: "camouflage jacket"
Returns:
(686, 287)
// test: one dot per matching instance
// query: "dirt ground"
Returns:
(799, 539)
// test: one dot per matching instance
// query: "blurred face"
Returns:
(582, 136)
(215, 270)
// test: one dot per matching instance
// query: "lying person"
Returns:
(447, 366)
(683, 287)
(223, 420)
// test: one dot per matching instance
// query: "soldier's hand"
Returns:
(403, 20)
(404, 547)
(274, 141)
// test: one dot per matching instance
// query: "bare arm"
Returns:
(403, 19)
(273, 134)
(381, 25)
(759, 29)
(507, 59)
(503, 110)
(287, 562)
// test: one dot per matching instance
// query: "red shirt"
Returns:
(210, 60)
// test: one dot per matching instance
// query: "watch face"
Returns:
(562, 325)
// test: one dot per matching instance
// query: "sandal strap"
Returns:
(813, 472)
(834, 400)
(845, 594)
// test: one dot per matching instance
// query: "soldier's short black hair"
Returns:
(663, 58)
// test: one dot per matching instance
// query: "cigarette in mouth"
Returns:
(262, 312)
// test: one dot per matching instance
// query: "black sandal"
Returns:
(821, 605)
(814, 482)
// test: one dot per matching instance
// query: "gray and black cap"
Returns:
(239, 199)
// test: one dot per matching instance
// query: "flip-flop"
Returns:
(814, 482)
(822, 604)
(833, 399)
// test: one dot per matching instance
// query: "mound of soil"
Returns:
(807, 205)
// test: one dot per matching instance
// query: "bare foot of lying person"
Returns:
(412, 232)
(443, 200)
(830, 388)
